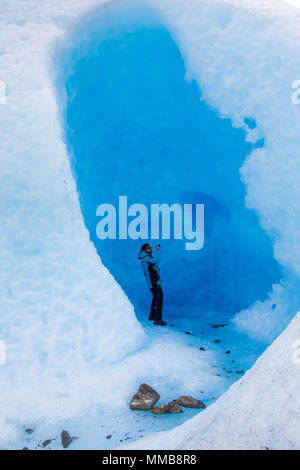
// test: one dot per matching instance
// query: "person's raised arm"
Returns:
(155, 258)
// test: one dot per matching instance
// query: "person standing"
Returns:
(152, 274)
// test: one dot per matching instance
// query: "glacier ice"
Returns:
(136, 127)
(60, 327)
(260, 411)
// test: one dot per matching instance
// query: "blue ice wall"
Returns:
(136, 127)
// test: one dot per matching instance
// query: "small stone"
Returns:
(109, 436)
(25, 448)
(227, 352)
(29, 431)
(187, 333)
(145, 398)
(66, 439)
(219, 326)
(167, 408)
(45, 443)
(217, 341)
(190, 402)
(202, 349)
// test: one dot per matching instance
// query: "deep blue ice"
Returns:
(137, 127)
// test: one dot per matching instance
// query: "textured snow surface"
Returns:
(259, 411)
(62, 313)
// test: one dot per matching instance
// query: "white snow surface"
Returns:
(260, 411)
(295, 3)
(62, 314)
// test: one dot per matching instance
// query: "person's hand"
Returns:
(157, 247)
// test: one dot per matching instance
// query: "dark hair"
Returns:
(143, 248)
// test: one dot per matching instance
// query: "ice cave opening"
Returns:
(137, 126)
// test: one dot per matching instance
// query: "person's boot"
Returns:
(159, 322)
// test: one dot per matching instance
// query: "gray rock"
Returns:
(190, 402)
(145, 398)
(45, 443)
(167, 408)
(66, 439)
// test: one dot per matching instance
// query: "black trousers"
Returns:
(157, 303)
